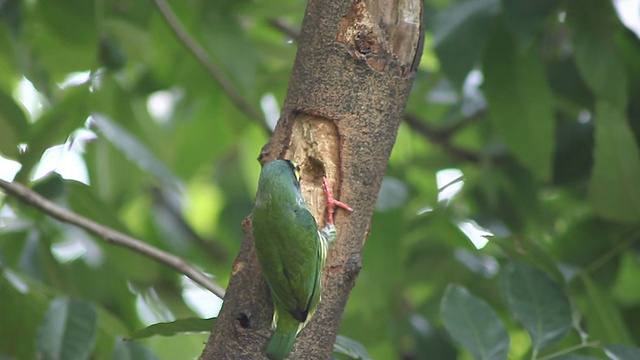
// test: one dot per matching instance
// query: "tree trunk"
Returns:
(350, 83)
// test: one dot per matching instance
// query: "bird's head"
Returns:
(279, 178)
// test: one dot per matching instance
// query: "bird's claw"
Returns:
(331, 202)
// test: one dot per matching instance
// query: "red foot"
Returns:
(331, 202)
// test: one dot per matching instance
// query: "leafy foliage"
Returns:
(174, 327)
(474, 324)
(67, 331)
(534, 103)
(537, 302)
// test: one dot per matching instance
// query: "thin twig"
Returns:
(462, 122)
(623, 244)
(111, 236)
(192, 45)
(571, 349)
(285, 27)
(442, 138)
(452, 182)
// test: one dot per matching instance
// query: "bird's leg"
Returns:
(331, 202)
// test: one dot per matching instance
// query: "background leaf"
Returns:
(537, 302)
(54, 126)
(129, 350)
(474, 324)
(21, 311)
(174, 327)
(68, 330)
(616, 170)
(460, 33)
(621, 352)
(521, 103)
(351, 348)
(604, 318)
(134, 150)
(575, 357)
(14, 128)
(526, 18)
(593, 25)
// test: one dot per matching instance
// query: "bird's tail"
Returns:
(280, 344)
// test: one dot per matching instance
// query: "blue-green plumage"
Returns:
(291, 252)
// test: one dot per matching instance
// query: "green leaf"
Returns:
(225, 37)
(613, 189)
(68, 330)
(111, 327)
(525, 18)
(11, 13)
(111, 54)
(626, 289)
(135, 150)
(520, 103)
(61, 39)
(622, 352)
(131, 39)
(472, 322)
(569, 247)
(575, 357)
(528, 251)
(113, 177)
(592, 25)
(460, 32)
(22, 308)
(350, 347)
(51, 187)
(571, 92)
(431, 343)
(573, 159)
(172, 328)
(14, 127)
(393, 194)
(54, 126)
(537, 302)
(198, 139)
(377, 281)
(479, 263)
(83, 200)
(128, 350)
(603, 316)
(70, 20)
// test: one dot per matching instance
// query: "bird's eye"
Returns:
(296, 170)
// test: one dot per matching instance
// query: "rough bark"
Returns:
(350, 82)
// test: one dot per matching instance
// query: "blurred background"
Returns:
(518, 151)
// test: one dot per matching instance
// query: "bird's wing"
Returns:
(292, 272)
(299, 264)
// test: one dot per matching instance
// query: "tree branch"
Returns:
(442, 137)
(192, 45)
(463, 122)
(111, 236)
(285, 27)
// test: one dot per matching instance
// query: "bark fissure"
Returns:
(339, 119)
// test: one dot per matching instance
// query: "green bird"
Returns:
(291, 251)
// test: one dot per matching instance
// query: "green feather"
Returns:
(291, 252)
(282, 339)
